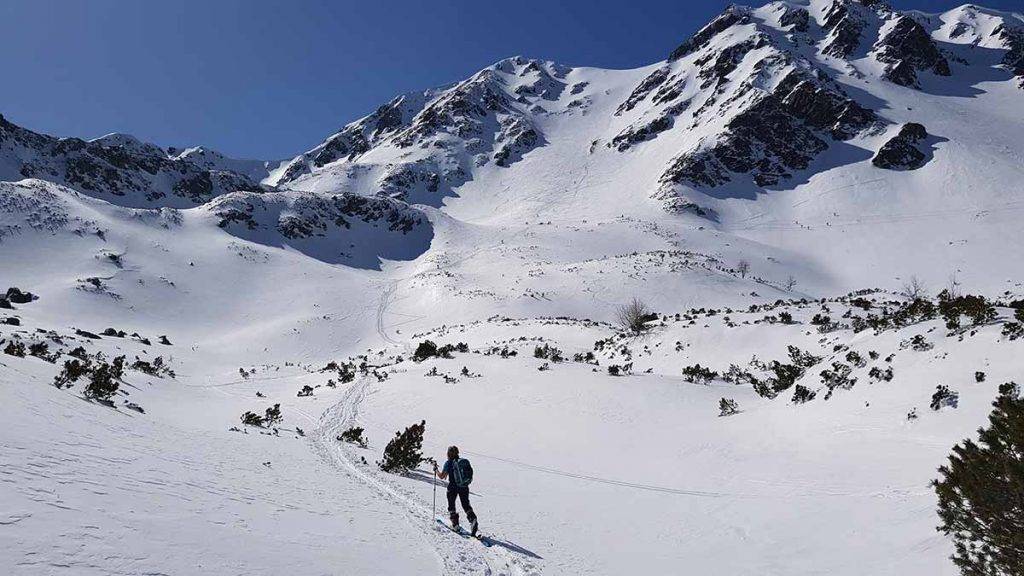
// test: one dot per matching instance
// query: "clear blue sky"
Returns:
(269, 79)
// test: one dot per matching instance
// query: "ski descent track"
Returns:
(456, 555)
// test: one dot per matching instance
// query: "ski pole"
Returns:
(433, 480)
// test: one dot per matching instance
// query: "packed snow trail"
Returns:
(457, 555)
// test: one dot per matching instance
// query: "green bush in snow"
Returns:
(981, 493)
(404, 451)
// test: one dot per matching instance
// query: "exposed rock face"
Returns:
(359, 137)
(732, 16)
(1013, 60)
(134, 173)
(765, 141)
(781, 131)
(796, 19)
(906, 49)
(337, 228)
(844, 25)
(17, 296)
(715, 67)
(424, 177)
(441, 135)
(646, 131)
(308, 215)
(652, 81)
(901, 151)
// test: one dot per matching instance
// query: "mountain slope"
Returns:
(123, 170)
(775, 181)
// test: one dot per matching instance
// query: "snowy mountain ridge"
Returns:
(203, 358)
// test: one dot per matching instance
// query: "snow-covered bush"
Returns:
(547, 352)
(425, 349)
(1013, 330)
(428, 349)
(977, 308)
(307, 390)
(587, 358)
(877, 373)
(72, 371)
(15, 348)
(403, 452)
(837, 378)
(728, 407)
(354, 435)
(943, 397)
(272, 415)
(802, 394)
(251, 418)
(801, 358)
(156, 368)
(617, 370)
(102, 382)
(699, 374)
(981, 492)
(917, 343)
(41, 350)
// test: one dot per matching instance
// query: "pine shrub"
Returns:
(353, 435)
(272, 415)
(727, 407)
(699, 374)
(102, 383)
(943, 397)
(802, 394)
(981, 493)
(977, 308)
(72, 371)
(426, 349)
(404, 451)
(251, 418)
(15, 348)
(548, 352)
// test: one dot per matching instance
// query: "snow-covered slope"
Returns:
(787, 153)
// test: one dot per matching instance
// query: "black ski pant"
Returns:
(463, 495)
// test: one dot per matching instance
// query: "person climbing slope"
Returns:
(459, 474)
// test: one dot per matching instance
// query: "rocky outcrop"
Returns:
(779, 132)
(441, 134)
(901, 152)
(646, 86)
(339, 228)
(732, 16)
(715, 66)
(357, 138)
(1013, 60)
(844, 26)
(16, 296)
(642, 132)
(116, 167)
(307, 215)
(795, 19)
(906, 49)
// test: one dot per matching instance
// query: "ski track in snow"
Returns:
(458, 555)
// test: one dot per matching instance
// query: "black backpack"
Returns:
(462, 473)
